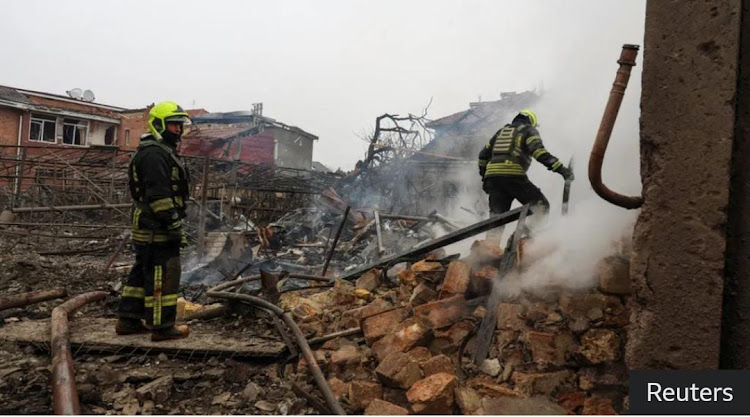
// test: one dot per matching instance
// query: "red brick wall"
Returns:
(9, 126)
(136, 124)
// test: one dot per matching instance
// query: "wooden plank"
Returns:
(98, 334)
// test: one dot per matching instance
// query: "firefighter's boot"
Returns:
(127, 325)
(170, 333)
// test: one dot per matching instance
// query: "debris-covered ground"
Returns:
(410, 329)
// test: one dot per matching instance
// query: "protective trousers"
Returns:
(150, 292)
(503, 190)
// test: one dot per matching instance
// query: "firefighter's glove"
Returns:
(566, 173)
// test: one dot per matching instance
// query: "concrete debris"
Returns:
(491, 367)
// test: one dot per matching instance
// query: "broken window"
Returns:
(42, 128)
(110, 137)
(75, 132)
(127, 137)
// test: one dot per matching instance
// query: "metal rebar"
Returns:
(335, 241)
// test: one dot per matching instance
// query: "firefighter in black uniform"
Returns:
(503, 163)
(159, 185)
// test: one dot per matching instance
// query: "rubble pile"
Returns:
(556, 352)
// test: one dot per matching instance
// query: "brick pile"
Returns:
(560, 353)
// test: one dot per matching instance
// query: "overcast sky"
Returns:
(331, 67)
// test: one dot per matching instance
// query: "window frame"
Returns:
(79, 123)
(42, 119)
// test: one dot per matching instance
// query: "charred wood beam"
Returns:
(489, 321)
(64, 393)
(453, 237)
(312, 362)
(20, 300)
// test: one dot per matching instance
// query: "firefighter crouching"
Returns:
(503, 163)
(159, 185)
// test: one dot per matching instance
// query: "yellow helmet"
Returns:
(160, 114)
(530, 115)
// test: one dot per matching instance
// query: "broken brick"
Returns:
(550, 348)
(379, 325)
(456, 279)
(600, 345)
(540, 383)
(433, 395)
(408, 334)
(370, 280)
(578, 305)
(428, 270)
(614, 275)
(361, 393)
(437, 364)
(510, 316)
(339, 388)
(384, 408)
(345, 357)
(571, 401)
(598, 406)
(422, 294)
(485, 252)
(398, 370)
(611, 375)
(408, 277)
(443, 313)
(468, 400)
(487, 386)
(420, 354)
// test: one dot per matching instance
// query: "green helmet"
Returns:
(531, 116)
(160, 114)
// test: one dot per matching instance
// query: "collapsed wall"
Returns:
(554, 351)
(687, 128)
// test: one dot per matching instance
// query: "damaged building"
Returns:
(347, 297)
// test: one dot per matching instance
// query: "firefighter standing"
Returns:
(159, 185)
(503, 163)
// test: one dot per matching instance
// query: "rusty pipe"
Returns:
(312, 363)
(64, 393)
(335, 241)
(627, 62)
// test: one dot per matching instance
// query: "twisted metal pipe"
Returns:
(627, 62)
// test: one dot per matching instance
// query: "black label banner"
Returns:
(689, 392)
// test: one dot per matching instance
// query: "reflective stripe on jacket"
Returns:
(160, 186)
(510, 150)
